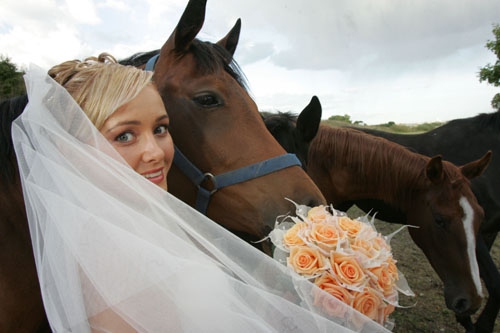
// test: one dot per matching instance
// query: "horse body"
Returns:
(351, 167)
(215, 124)
(458, 141)
(20, 298)
(19, 288)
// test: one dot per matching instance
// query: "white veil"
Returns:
(110, 244)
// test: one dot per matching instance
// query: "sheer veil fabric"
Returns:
(114, 252)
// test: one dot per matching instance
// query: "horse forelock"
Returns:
(455, 176)
(10, 109)
(211, 57)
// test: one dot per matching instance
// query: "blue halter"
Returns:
(229, 178)
(150, 65)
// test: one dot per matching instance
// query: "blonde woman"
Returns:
(124, 105)
(114, 251)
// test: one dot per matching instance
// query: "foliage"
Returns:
(345, 118)
(387, 127)
(425, 127)
(11, 79)
(491, 73)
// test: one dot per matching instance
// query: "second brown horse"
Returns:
(351, 167)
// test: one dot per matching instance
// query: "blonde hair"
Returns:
(100, 85)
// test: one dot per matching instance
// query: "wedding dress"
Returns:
(114, 250)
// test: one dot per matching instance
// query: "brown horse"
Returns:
(461, 140)
(351, 167)
(214, 123)
(217, 126)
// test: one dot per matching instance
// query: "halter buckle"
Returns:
(208, 177)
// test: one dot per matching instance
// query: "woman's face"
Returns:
(139, 132)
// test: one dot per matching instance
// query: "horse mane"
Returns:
(209, 57)
(480, 121)
(486, 120)
(364, 154)
(138, 59)
(10, 109)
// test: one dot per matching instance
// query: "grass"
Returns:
(388, 127)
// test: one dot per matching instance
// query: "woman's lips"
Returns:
(155, 176)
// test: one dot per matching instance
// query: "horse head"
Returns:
(449, 242)
(217, 126)
(295, 133)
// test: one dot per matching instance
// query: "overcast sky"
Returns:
(374, 60)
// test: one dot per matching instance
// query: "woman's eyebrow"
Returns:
(123, 123)
(165, 116)
(134, 122)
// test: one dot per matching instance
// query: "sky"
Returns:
(406, 61)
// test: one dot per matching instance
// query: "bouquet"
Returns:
(345, 257)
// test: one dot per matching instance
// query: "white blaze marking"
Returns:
(471, 243)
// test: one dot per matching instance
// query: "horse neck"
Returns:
(353, 162)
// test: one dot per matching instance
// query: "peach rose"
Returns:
(365, 247)
(369, 302)
(337, 305)
(318, 214)
(383, 280)
(347, 269)
(391, 268)
(389, 308)
(325, 235)
(328, 283)
(291, 237)
(381, 244)
(305, 260)
(352, 227)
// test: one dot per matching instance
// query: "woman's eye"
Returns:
(124, 137)
(207, 100)
(162, 129)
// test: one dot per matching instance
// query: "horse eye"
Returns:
(207, 100)
(440, 221)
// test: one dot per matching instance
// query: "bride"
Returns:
(114, 251)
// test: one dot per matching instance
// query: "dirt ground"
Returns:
(429, 314)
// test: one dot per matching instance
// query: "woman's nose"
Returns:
(152, 150)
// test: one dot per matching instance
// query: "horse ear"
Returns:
(476, 168)
(309, 119)
(230, 41)
(434, 169)
(188, 27)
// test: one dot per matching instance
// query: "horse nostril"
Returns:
(461, 306)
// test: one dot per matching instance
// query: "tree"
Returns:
(491, 73)
(11, 79)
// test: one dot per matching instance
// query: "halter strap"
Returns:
(229, 178)
(150, 65)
